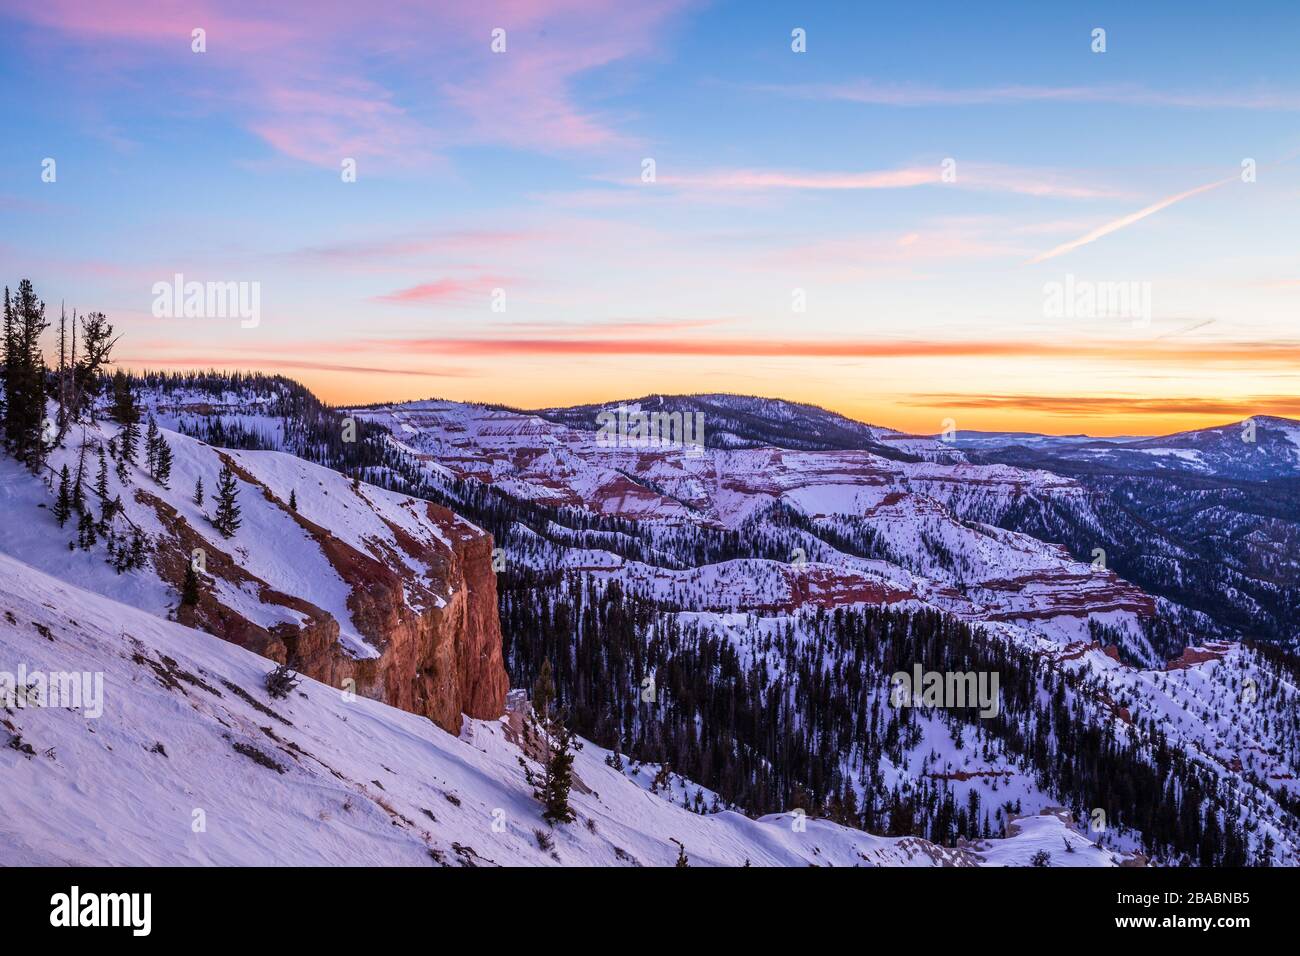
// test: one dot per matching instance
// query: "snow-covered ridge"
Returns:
(341, 579)
(930, 521)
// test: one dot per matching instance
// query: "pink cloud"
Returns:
(613, 326)
(443, 290)
(302, 76)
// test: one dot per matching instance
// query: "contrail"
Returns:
(1128, 220)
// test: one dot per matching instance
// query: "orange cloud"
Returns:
(1164, 351)
(1105, 405)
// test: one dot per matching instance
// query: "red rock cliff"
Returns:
(438, 638)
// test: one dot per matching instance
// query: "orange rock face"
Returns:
(442, 661)
(438, 639)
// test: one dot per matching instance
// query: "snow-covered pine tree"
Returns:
(227, 517)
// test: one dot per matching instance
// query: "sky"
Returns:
(956, 215)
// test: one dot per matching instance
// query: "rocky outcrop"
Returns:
(1191, 656)
(435, 638)
(440, 661)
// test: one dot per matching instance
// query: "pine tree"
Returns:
(62, 391)
(63, 503)
(544, 692)
(151, 440)
(23, 371)
(198, 492)
(136, 558)
(86, 531)
(9, 363)
(557, 776)
(101, 479)
(118, 556)
(293, 500)
(127, 414)
(107, 509)
(97, 345)
(163, 468)
(226, 520)
(78, 486)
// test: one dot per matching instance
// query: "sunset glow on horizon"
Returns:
(913, 220)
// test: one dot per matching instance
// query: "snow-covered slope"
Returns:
(350, 581)
(192, 762)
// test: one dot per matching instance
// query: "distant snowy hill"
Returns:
(1257, 448)
(747, 421)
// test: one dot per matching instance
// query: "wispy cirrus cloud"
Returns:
(902, 95)
(435, 241)
(891, 254)
(985, 177)
(1124, 221)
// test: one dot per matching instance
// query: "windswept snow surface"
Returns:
(191, 762)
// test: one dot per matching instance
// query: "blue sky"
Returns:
(513, 180)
